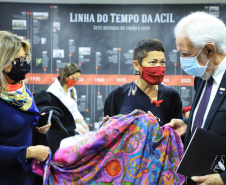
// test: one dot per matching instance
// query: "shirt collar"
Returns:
(219, 72)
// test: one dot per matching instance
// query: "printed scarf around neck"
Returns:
(20, 98)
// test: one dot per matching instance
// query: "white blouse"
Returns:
(66, 98)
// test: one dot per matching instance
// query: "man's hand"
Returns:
(178, 125)
(213, 179)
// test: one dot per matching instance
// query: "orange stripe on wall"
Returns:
(91, 79)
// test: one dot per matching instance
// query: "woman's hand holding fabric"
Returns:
(38, 152)
(105, 119)
(80, 129)
(82, 123)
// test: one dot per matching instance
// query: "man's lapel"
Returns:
(216, 102)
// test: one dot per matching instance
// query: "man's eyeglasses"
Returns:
(19, 62)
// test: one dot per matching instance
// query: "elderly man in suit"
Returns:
(201, 41)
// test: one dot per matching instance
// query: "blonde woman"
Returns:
(18, 113)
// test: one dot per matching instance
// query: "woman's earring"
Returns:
(138, 72)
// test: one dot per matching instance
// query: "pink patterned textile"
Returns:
(127, 149)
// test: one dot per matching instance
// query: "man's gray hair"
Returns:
(202, 28)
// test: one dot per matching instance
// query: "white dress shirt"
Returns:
(66, 98)
(217, 77)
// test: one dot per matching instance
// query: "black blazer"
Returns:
(216, 118)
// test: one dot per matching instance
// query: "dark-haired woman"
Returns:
(61, 97)
(147, 92)
(63, 88)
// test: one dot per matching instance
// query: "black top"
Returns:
(124, 99)
(63, 124)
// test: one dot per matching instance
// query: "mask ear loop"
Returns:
(199, 52)
(207, 61)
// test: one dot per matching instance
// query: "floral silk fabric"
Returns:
(126, 150)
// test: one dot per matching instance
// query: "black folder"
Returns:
(205, 154)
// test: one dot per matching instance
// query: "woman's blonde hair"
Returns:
(10, 45)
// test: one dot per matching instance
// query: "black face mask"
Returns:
(19, 71)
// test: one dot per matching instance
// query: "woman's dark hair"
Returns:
(144, 46)
(69, 69)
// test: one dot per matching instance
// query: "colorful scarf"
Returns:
(21, 99)
(126, 150)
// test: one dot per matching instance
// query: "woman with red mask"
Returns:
(63, 89)
(146, 92)
(61, 99)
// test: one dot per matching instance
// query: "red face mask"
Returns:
(153, 75)
(70, 82)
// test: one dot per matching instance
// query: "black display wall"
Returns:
(99, 38)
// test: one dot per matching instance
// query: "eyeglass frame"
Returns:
(20, 61)
(74, 78)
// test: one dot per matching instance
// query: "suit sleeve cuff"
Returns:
(21, 156)
(223, 176)
(186, 120)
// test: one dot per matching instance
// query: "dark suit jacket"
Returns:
(216, 119)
